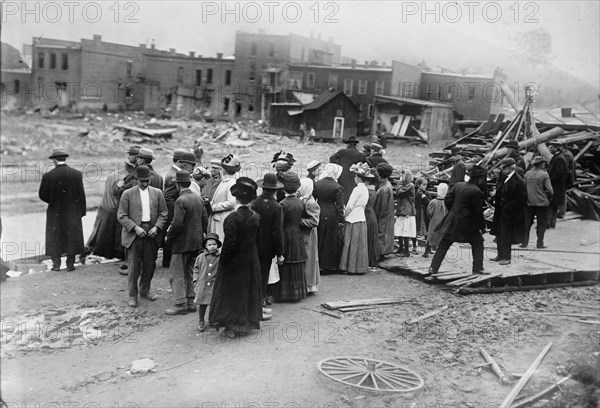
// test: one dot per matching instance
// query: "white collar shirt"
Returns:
(145, 198)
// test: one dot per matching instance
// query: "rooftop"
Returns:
(412, 101)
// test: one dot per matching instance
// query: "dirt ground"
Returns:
(68, 338)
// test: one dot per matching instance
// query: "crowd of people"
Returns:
(234, 252)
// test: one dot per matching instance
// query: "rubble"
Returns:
(142, 366)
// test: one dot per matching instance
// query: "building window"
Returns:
(198, 77)
(379, 87)
(130, 69)
(332, 82)
(250, 108)
(471, 93)
(362, 87)
(228, 77)
(226, 105)
(64, 61)
(209, 76)
(371, 109)
(52, 60)
(41, 60)
(129, 91)
(17, 86)
(253, 49)
(310, 80)
(271, 49)
(348, 85)
(180, 74)
(431, 92)
(438, 91)
(295, 79)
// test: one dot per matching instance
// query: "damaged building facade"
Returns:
(15, 77)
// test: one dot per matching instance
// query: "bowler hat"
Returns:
(244, 185)
(269, 182)
(58, 152)
(145, 153)
(135, 149)
(512, 143)
(142, 173)
(182, 176)
(212, 235)
(177, 154)
(538, 160)
(477, 171)
(351, 139)
(313, 165)
(509, 161)
(187, 157)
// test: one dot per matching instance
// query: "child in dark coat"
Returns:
(205, 273)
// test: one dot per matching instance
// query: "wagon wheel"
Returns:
(370, 374)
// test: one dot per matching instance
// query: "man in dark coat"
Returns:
(346, 158)
(271, 217)
(143, 214)
(184, 236)
(558, 172)
(376, 156)
(513, 151)
(570, 159)
(182, 160)
(465, 221)
(62, 189)
(509, 212)
(458, 168)
(145, 157)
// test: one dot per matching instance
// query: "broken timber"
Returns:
(323, 312)
(536, 397)
(427, 315)
(495, 367)
(363, 302)
(148, 132)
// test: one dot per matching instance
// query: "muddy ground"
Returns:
(69, 337)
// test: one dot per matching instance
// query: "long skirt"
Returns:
(373, 241)
(311, 270)
(405, 226)
(106, 236)
(355, 257)
(292, 281)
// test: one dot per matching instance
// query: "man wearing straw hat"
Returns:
(62, 189)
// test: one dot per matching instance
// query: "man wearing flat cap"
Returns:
(376, 156)
(539, 192)
(145, 157)
(143, 215)
(558, 171)
(62, 189)
(509, 210)
(182, 160)
(465, 221)
(346, 158)
(184, 237)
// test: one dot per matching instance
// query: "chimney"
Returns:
(200, 56)
(142, 45)
(152, 44)
(219, 55)
(383, 64)
(366, 64)
(172, 51)
(353, 63)
(97, 37)
(464, 71)
(192, 54)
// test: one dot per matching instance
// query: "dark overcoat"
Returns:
(237, 297)
(509, 208)
(374, 159)
(465, 217)
(271, 219)
(190, 222)
(558, 172)
(346, 158)
(330, 197)
(170, 191)
(62, 189)
(294, 250)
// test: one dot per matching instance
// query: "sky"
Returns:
(456, 35)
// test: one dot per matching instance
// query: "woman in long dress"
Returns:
(436, 210)
(330, 197)
(237, 298)
(384, 210)
(292, 280)
(308, 226)
(372, 227)
(223, 202)
(355, 258)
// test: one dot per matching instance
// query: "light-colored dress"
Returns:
(223, 204)
(308, 224)
(355, 257)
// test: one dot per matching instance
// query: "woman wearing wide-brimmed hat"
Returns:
(308, 226)
(223, 201)
(354, 258)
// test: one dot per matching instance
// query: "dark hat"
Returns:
(244, 185)
(509, 161)
(135, 149)
(182, 176)
(178, 153)
(146, 154)
(385, 170)
(187, 157)
(512, 143)
(58, 152)
(142, 173)
(538, 160)
(351, 139)
(269, 182)
(477, 171)
(212, 235)
(290, 180)
(455, 150)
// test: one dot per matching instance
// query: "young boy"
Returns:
(205, 272)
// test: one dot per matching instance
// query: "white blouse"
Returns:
(355, 209)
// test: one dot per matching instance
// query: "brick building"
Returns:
(15, 77)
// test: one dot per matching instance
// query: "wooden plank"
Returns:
(451, 277)
(495, 367)
(404, 126)
(357, 308)
(567, 314)
(363, 302)
(525, 402)
(465, 290)
(427, 315)
(582, 151)
(523, 381)
(323, 312)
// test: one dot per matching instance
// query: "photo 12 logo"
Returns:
(69, 11)
(270, 12)
(469, 11)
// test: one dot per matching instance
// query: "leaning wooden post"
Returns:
(495, 367)
(519, 386)
(534, 398)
